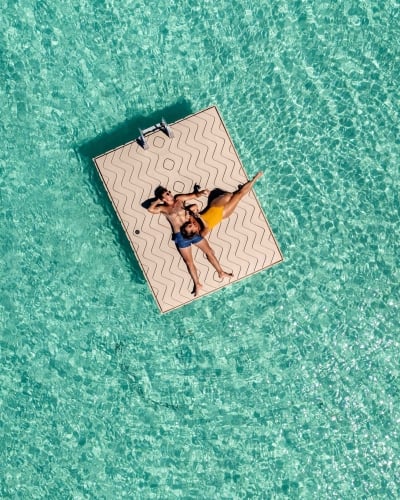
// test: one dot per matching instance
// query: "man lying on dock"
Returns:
(172, 206)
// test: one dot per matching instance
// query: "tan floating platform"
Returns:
(201, 152)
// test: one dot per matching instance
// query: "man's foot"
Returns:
(223, 274)
(196, 289)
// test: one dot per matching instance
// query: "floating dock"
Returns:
(194, 150)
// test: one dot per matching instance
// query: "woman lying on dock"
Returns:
(219, 208)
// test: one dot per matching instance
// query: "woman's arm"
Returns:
(203, 226)
(192, 209)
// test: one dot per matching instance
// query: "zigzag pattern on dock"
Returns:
(201, 152)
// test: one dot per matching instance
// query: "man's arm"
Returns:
(156, 207)
(192, 196)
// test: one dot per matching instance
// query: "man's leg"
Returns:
(187, 256)
(210, 254)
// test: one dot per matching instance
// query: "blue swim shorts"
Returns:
(182, 242)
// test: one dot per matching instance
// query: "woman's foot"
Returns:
(257, 176)
(246, 188)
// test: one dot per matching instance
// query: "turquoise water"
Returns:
(285, 385)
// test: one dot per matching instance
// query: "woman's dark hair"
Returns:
(185, 232)
(159, 191)
(189, 234)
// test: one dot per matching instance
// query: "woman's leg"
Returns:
(230, 202)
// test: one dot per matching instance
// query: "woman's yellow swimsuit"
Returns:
(213, 216)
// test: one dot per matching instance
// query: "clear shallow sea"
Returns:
(286, 385)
